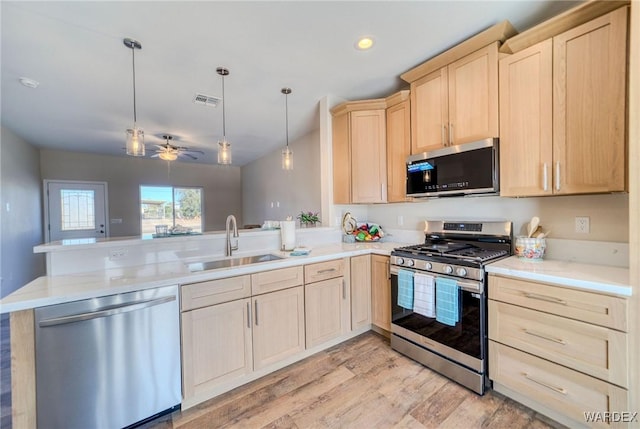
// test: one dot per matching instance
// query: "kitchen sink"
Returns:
(234, 262)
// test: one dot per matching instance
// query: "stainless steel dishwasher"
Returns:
(108, 362)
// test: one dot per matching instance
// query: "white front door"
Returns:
(75, 210)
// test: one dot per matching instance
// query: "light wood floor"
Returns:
(361, 383)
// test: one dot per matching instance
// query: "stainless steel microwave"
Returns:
(471, 168)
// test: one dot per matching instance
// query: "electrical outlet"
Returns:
(400, 220)
(582, 224)
(116, 254)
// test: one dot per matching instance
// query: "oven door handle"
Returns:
(466, 285)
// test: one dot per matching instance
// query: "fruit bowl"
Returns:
(368, 232)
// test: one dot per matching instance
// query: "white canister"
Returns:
(288, 234)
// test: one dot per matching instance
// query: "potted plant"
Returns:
(308, 219)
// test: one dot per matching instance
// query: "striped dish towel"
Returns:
(447, 301)
(424, 295)
(405, 289)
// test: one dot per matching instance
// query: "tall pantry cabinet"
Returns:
(562, 112)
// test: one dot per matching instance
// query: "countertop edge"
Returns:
(102, 284)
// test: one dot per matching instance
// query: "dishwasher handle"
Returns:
(112, 311)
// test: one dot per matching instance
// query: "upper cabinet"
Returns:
(454, 96)
(456, 104)
(562, 112)
(398, 145)
(359, 152)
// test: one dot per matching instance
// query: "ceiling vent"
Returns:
(206, 100)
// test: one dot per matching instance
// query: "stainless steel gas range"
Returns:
(439, 297)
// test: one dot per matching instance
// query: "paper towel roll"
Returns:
(288, 234)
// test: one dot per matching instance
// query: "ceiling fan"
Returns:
(169, 152)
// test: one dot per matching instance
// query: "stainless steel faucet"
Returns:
(231, 219)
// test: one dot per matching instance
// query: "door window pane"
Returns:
(166, 205)
(77, 209)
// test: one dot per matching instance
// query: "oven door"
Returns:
(464, 343)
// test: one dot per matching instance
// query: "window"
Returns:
(171, 206)
(77, 209)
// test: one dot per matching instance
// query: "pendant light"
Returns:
(287, 155)
(135, 136)
(224, 147)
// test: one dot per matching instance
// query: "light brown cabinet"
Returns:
(327, 302)
(579, 77)
(398, 119)
(360, 291)
(359, 152)
(560, 351)
(227, 333)
(380, 292)
(456, 104)
(278, 326)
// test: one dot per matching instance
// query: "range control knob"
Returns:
(448, 269)
(410, 263)
(399, 261)
(461, 272)
(428, 266)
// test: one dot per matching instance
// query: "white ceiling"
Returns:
(84, 101)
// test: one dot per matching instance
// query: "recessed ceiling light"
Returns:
(29, 83)
(364, 43)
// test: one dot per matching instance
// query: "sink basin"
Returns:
(234, 262)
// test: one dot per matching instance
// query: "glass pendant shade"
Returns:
(135, 142)
(287, 159)
(224, 152)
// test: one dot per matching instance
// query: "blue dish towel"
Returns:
(447, 301)
(405, 289)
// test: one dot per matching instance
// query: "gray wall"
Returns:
(265, 183)
(124, 175)
(20, 213)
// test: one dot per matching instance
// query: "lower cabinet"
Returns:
(360, 291)
(327, 314)
(216, 345)
(278, 326)
(560, 351)
(380, 292)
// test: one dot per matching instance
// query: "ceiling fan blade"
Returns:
(187, 154)
(155, 156)
(194, 151)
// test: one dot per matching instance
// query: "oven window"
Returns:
(464, 337)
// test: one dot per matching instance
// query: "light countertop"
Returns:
(597, 278)
(50, 290)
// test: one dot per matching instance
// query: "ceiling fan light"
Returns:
(224, 152)
(168, 156)
(135, 142)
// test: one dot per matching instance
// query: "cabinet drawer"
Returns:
(202, 294)
(556, 387)
(269, 281)
(591, 349)
(603, 310)
(323, 271)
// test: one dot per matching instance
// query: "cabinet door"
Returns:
(360, 291)
(341, 160)
(278, 326)
(473, 96)
(429, 112)
(380, 292)
(589, 64)
(216, 345)
(326, 303)
(368, 156)
(398, 148)
(526, 125)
